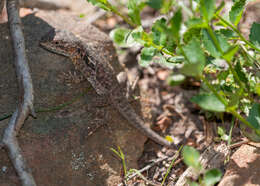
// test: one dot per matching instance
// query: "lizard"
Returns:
(99, 73)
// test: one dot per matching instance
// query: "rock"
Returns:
(70, 145)
(244, 167)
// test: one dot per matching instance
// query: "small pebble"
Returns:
(160, 154)
(156, 175)
(4, 169)
(170, 152)
(167, 165)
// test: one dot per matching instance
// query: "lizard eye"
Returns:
(56, 42)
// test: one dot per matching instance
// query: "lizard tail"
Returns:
(130, 115)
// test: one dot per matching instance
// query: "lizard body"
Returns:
(99, 73)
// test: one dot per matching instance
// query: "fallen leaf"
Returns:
(163, 123)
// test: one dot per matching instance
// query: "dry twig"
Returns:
(153, 164)
(25, 103)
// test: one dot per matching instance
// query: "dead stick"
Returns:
(152, 164)
(25, 102)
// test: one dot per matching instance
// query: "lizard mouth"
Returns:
(48, 42)
(53, 49)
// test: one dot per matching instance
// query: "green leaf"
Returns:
(104, 4)
(220, 64)
(196, 23)
(191, 33)
(138, 35)
(227, 33)
(236, 11)
(220, 8)
(191, 157)
(209, 102)
(142, 37)
(255, 34)
(159, 32)
(134, 9)
(166, 6)
(161, 59)
(207, 9)
(229, 54)
(147, 55)
(176, 79)
(234, 100)
(162, 36)
(171, 45)
(254, 116)
(176, 21)
(195, 59)
(257, 89)
(176, 59)
(156, 4)
(119, 36)
(210, 46)
(240, 73)
(222, 134)
(211, 177)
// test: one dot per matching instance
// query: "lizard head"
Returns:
(67, 44)
(60, 41)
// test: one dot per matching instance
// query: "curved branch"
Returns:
(25, 103)
(18, 161)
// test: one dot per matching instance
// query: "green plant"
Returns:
(208, 46)
(128, 174)
(208, 177)
(121, 155)
(170, 167)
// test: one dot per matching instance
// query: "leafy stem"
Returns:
(128, 21)
(217, 45)
(238, 116)
(214, 39)
(224, 101)
(162, 49)
(241, 84)
(220, 98)
(238, 32)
